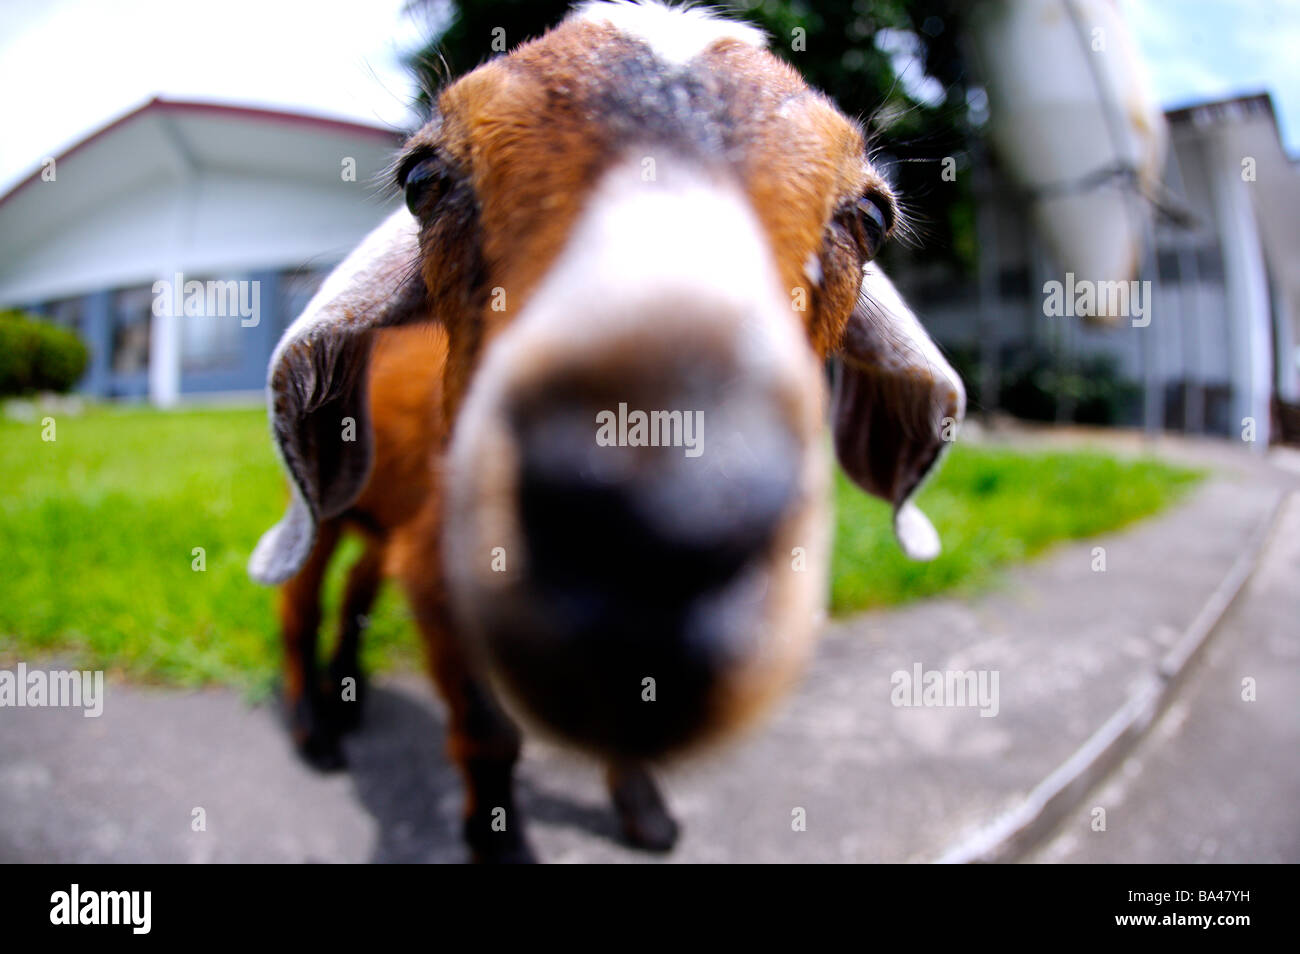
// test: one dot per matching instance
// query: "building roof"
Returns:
(161, 106)
(260, 188)
(1246, 127)
(1206, 112)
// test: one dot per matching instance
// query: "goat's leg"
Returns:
(481, 739)
(641, 808)
(346, 699)
(313, 732)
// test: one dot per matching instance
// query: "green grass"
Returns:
(97, 533)
(98, 529)
(992, 507)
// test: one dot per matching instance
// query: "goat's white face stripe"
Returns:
(680, 258)
(676, 35)
(684, 252)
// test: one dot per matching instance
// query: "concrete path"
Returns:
(1218, 777)
(875, 782)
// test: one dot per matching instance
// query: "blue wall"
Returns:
(256, 344)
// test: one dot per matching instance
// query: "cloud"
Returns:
(1215, 49)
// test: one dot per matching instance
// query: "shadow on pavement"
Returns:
(398, 765)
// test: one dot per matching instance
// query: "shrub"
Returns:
(38, 356)
(1032, 385)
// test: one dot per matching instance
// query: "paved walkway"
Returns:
(876, 782)
(1218, 777)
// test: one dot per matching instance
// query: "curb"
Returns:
(1012, 834)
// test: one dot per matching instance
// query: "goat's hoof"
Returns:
(323, 753)
(489, 847)
(651, 831)
(641, 810)
(344, 700)
(315, 737)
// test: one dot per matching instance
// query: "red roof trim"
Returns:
(174, 106)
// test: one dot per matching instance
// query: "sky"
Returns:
(1214, 49)
(69, 67)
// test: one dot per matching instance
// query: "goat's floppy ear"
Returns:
(896, 407)
(317, 381)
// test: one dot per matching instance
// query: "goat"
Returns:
(641, 209)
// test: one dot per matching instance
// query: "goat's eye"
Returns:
(423, 184)
(872, 220)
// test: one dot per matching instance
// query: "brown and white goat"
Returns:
(642, 209)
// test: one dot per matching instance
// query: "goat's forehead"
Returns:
(614, 78)
(535, 132)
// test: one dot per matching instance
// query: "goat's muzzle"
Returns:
(646, 564)
(634, 532)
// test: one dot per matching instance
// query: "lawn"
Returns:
(99, 528)
(992, 507)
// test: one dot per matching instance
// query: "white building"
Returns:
(1222, 343)
(211, 193)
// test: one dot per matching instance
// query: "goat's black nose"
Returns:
(626, 520)
(644, 565)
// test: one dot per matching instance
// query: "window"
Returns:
(211, 325)
(132, 314)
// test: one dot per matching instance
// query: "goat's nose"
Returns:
(645, 565)
(609, 515)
